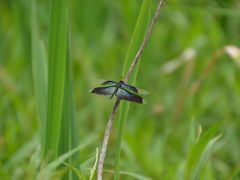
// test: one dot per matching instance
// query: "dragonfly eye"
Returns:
(121, 82)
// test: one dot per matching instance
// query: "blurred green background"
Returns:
(156, 134)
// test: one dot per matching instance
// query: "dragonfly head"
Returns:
(121, 82)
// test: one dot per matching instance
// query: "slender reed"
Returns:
(136, 59)
(58, 29)
(195, 86)
(138, 55)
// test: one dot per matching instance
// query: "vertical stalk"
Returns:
(68, 135)
(139, 29)
(39, 72)
(136, 41)
(56, 74)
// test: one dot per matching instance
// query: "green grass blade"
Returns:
(191, 136)
(204, 157)
(136, 41)
(92, 170)
(48, 170)
(68, 136)
(196, 152)
(66, 155)
(56, 76)
(131, 174)
(39, 71)
(79, 173)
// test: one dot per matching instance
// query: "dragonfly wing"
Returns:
(132, 88)
(142, 91)
(109, 83)
(104, 90)
(127, 95)
(136, 90)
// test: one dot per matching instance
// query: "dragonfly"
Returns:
(120, 90)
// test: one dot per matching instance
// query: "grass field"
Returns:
(53, 52)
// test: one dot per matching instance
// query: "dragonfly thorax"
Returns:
(119, 84)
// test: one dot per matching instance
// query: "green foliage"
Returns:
(39, 69)
(98, 38)
(68, 137)
(79, 174)
(135, 43)
(56, 74)
(199, 154)
(48, 170)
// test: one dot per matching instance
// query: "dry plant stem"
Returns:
(136, 59)
(105, 141)
(138, 55)
(203, 74)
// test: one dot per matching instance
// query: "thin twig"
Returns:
(138, 55)
(203, 74)
(105, 141)
(111, 118)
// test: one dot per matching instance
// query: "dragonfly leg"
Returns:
(116, 89)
